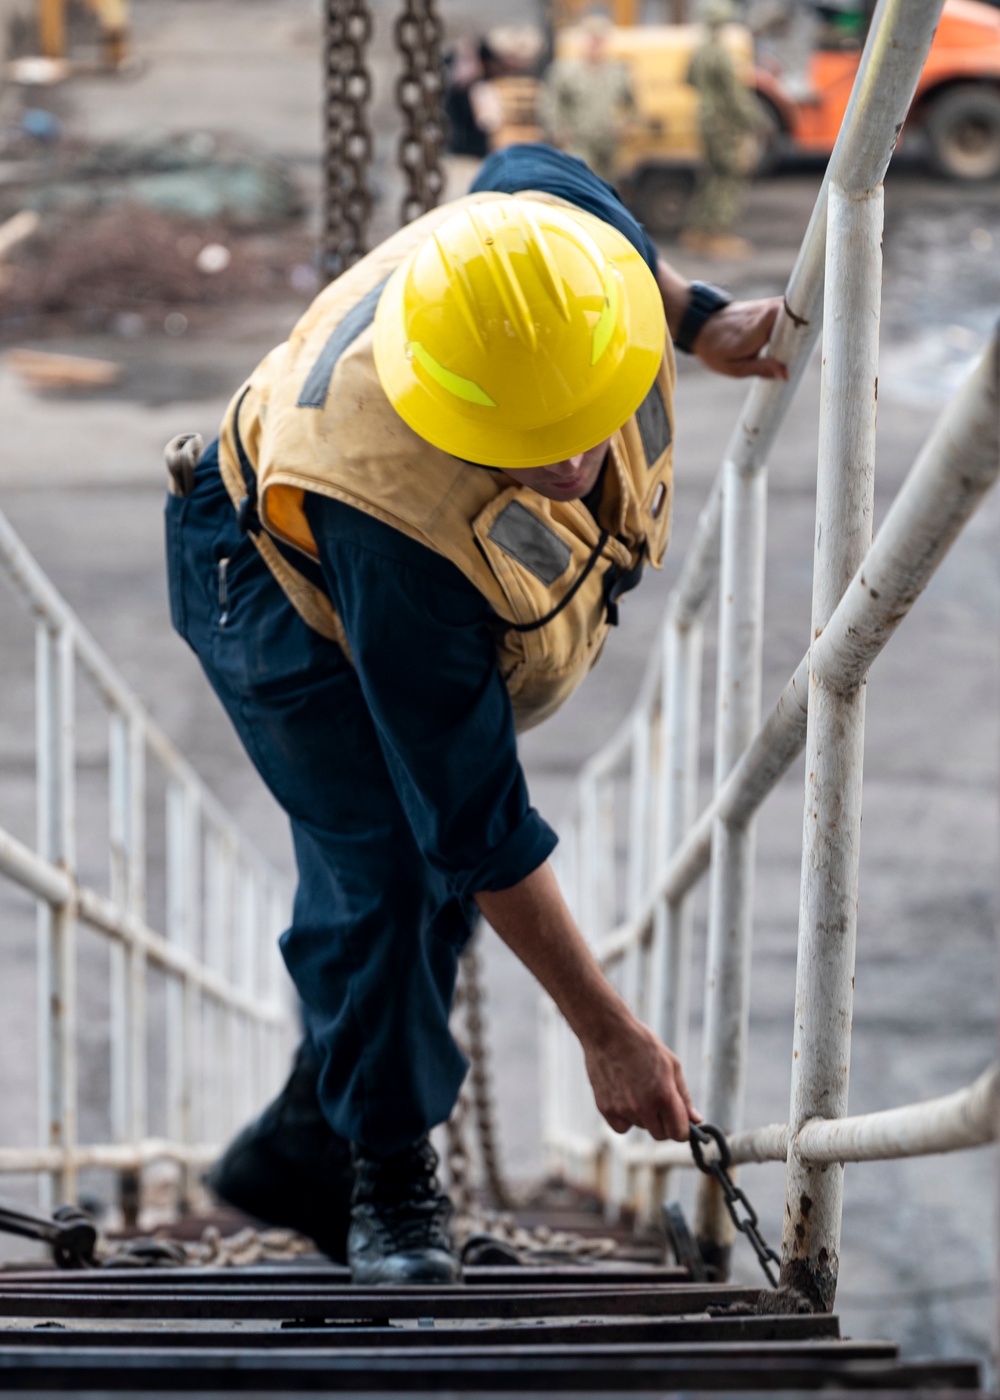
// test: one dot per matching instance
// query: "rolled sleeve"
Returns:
(421, 641)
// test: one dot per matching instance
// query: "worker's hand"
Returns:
(637, 1081)
(730, 342)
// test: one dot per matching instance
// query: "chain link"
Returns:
(419, 94)
(458, 1158)
(479, 1079)
(475, 1100)
(718, 1169)
(348, 136)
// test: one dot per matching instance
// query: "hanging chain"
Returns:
(474, 1106)
(458, 1158)
(348, 137)
(479, 1079)
(419, 93)
(718, 1169)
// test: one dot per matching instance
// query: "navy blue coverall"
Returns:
(399, 773)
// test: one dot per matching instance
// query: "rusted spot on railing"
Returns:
(793, 316)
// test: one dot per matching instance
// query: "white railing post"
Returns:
(677, 807)
(246, 935)
(677, 801)
(183, 905)
(901, 36)
(831, 826)
(118, 889)
(640, 832)
(56, 822)
(730, 923)
(127, 808)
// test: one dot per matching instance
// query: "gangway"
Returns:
(608, 1330)
(628, 1325)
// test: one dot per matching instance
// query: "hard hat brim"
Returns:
(480, 433)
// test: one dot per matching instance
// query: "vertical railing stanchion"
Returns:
(127, 797)
(56, 745)
(606, 910)
(118, 994)
(183, 903)
(640, 813)
(677, 804)
(730, 923)
(588, 864)
(245, 935)
(136, 906)
(831, 826)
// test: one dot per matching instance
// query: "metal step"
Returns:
(582, 1330)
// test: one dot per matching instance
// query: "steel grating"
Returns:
(581, 1330)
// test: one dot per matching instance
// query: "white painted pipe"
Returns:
(956, 467)
(678, 805)
(32, 872)
(952, 1123)
(831, 825)
(730, 918)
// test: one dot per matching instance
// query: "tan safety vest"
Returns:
(313, 417)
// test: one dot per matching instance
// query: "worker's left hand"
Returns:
(730, 342)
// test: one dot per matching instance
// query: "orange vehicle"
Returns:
(957, 102)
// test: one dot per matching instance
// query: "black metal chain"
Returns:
(718, 1169)
(348, 137)
(419, 93)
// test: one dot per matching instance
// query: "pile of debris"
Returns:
(45, 168)
(120, 236)
(130, 260)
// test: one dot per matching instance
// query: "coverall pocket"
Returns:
(227, 576)
(174, 513)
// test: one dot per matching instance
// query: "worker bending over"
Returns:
(408, 543)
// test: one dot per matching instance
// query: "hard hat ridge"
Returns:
(544, 313)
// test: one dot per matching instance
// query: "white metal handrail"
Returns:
(229, 1015)
(862, 590)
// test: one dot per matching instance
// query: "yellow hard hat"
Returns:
(519, 334)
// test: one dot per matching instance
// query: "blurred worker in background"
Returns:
(473, 109)
(730, 123)
(410, 541)
(587, 103)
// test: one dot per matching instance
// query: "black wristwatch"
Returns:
(705, 301)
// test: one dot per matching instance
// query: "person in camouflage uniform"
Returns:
(729, 121)
(588, 103)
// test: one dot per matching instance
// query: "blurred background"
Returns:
(161, 228)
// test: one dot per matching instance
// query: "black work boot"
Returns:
(289, 1168)
(399, 1220)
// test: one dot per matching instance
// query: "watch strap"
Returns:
(705, 300)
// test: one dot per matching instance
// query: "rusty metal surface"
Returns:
(321, 1276)
(130, 1302)
(303, 1328)
(367, 1332)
